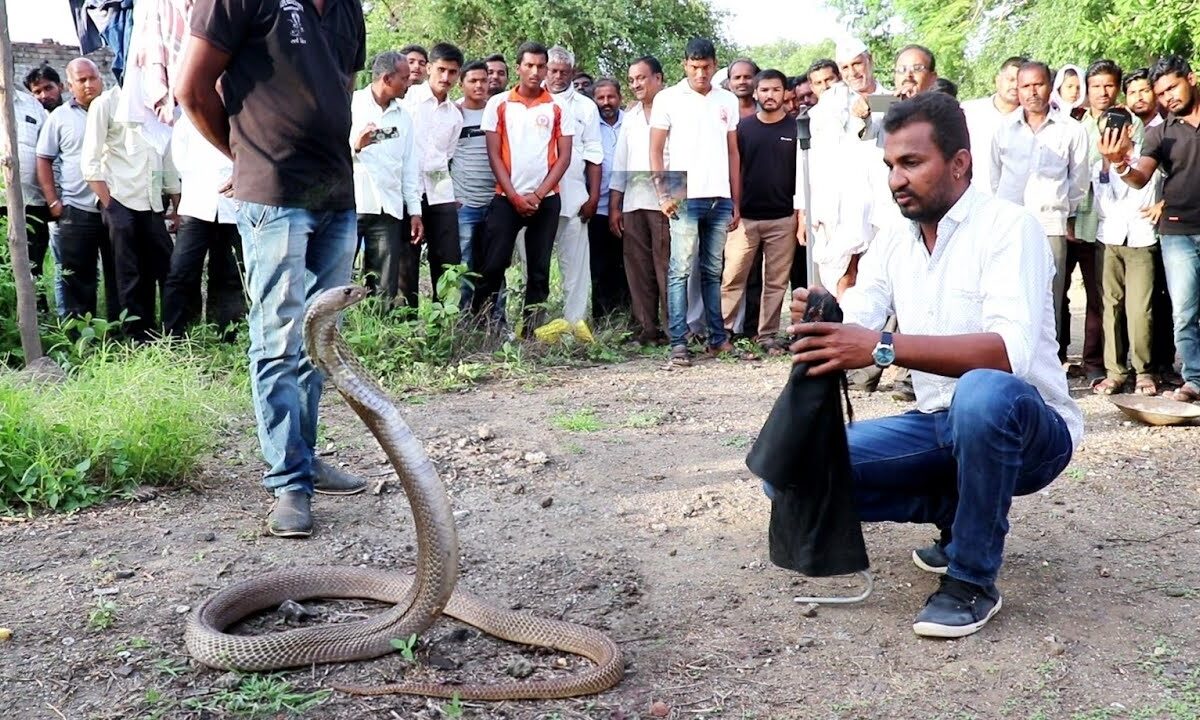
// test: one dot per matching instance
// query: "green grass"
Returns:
(643, 420)
(259, 696)
(124, 417)
(103, 615)
(582, 420)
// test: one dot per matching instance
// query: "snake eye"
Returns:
(347, 291)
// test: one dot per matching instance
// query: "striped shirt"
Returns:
(474, 183)
(529, 129)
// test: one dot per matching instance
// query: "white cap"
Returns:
(720, 76)
(848, 49)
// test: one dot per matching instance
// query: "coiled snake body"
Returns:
(418, 601)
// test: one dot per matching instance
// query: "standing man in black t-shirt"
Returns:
(767, 144)
(286, 69)
(1174, 149)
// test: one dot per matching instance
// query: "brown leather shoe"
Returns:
(722, 349)
(291, 516)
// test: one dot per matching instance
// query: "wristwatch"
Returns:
(884, 353)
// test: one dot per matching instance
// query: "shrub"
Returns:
(124, 417)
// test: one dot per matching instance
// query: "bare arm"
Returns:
(45, 178)
(202, 65)
(735, 178)
(828, 347)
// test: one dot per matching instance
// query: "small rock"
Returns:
(806, 642)
(485, 432)
(101, 592)
(182, 609)
(460, 635)
(205, 536)
(460, 443)
(293, 612)
(809, 610)
(441, 662)
(537, 458)
(561, 662)
(547, 502)
(5, 634)
(519, 668)
(1105, 572)
(519, 490)
(228, 681)
(658, 527)
(672, 552)
(123, 574)
(659, 709)
(510, 455)
(69, 641)
(124, 671)
(460, 514)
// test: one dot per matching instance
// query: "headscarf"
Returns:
(1056, 99)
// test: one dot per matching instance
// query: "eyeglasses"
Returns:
(911, 69)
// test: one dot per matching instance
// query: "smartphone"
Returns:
(881, 103)
(385, 133)
(1116, 119)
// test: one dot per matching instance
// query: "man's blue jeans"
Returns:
(470, 224)
(701, 228)
(1181, 259)
(960, 468)
(291, 255)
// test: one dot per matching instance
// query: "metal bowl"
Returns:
(1156, 410)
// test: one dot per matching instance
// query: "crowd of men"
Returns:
(948, 232)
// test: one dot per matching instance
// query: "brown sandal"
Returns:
(1107, 386)
(1145, 385)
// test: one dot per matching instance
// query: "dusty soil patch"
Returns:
(641, 520)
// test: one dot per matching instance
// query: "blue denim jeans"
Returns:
(700, 229)
(470, 222)
(1181, 258)
(60, 298)
(960, 468)
(291, 255)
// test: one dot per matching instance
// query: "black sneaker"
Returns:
(932, 559)
(291, 516)
(329, 480)
(957, 609)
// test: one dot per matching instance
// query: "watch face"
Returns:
(884, 355)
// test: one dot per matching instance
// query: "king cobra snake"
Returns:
(417, 601)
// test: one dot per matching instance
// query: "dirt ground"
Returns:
(618, 497)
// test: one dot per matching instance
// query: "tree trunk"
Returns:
(18, 243)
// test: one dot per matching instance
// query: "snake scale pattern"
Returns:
(416, 601)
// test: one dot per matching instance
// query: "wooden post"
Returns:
(18, 243)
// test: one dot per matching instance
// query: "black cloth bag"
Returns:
(803, 454)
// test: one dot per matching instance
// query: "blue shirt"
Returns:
(608, 138)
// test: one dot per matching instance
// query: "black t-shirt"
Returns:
(1175, 145)
(287, 92)
(768, 154)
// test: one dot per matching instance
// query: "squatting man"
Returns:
(969, 279)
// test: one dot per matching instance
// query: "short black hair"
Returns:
(1139, 74)
(1104, 67)
(584, 73)
(472, 67)
(943, 85)
(924, 51)
(495, 58)
(754, 68)
(606, 81)
(532, 48)
(771, 74)
(1169, 65)
(447, 52)
(1016, 61)
(414, 49)
(795, 81)
(700, 49)
(41, 73)
(1037, 65)
(939, 110)
(649, 61)
(824, 64)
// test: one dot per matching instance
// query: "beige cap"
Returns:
(848, 49)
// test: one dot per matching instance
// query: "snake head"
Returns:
(335, 300)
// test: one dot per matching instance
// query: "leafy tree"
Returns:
(791, 58)
(605, 36)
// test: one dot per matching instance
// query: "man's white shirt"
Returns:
(203, 169)
(387, 176)
(698, 128)
(991, 271)
(586, 147)
(631, 163)
(1045, 171)
(437, 126)
(983, 118)
(30, 117)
